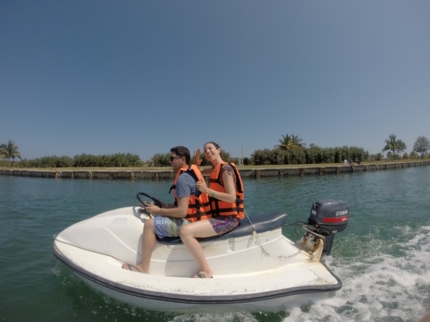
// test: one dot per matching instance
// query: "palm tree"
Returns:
(10, 151)
(285, 143)
(297, 141)
(390, 144)
(394, 145)
(2, 151)
(401, 146)
(289, 142)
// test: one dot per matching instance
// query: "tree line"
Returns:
(397, 147)
(10, 152)
(311, 155)
(290, 150)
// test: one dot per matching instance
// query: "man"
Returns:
(190, 205)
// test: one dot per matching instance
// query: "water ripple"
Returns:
(382, 256)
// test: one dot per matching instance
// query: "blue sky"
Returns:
(104, 77)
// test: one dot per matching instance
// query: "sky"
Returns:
(106, 77)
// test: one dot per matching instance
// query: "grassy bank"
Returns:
(244, 167)
(156, 173)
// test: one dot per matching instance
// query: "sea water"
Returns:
(382, 258)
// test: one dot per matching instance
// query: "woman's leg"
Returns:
(189, 233)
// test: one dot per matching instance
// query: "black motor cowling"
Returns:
(327, 217)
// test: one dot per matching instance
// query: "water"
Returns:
(382, 257)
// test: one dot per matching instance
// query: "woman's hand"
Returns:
(202, 187)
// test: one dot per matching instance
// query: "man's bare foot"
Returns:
(132, 268)
(201, 274)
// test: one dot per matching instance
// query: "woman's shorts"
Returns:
(224, 224)
(168, 227)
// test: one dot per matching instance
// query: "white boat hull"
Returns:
(255, 271)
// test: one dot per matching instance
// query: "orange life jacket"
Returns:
(222, 208)
(198, 207)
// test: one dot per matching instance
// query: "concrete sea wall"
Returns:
(251, 172)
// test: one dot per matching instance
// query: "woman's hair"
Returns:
(214, 144)
(182, 151)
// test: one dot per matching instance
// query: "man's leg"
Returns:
(148, 244)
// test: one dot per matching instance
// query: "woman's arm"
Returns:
(230, 194)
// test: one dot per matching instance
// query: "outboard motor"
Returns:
(327, 217)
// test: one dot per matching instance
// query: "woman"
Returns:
(225, 193)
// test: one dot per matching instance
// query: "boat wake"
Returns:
(382, 282)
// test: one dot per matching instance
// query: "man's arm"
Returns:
(184, 187)
(175, 212)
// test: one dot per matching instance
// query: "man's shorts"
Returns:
(168, 227)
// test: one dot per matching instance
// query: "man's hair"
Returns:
(182, 151)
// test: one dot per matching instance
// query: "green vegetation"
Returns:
(10, 151)
(83, 161)
(290, 151)
(310, 155)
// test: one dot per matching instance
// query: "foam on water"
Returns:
(379, 286)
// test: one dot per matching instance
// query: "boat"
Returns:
(255, 266)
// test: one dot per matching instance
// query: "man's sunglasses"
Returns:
(174, 157)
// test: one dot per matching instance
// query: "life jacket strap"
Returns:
(172, 187)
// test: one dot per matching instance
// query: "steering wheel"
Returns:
(145, 203)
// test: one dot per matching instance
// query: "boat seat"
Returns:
(262, 222)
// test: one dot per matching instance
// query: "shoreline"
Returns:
(246, 171)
